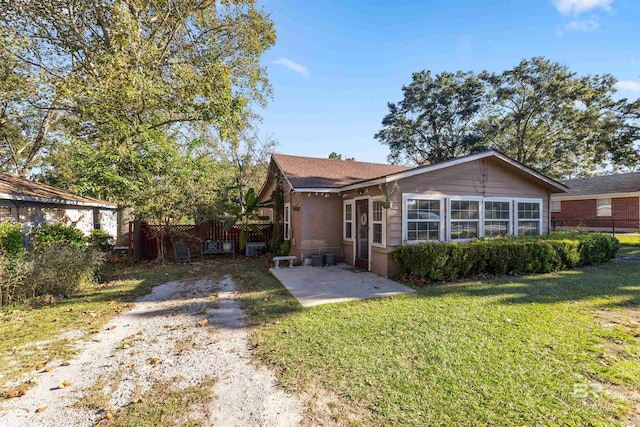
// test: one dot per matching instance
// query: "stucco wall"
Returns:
(321, 215)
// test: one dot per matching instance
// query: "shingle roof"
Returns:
(309, 172)
(15, 188)
(621, 183)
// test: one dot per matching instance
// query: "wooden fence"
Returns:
(143, 240)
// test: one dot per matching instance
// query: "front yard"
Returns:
(554, 349)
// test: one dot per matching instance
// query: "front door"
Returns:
(362, 235)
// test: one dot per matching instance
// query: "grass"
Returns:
(32, 335)
(164, 404)
(629, 239)
(555, 349)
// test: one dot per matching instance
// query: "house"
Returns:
(31, 204)
(599, 203)
(362, 211)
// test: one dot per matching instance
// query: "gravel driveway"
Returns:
(184, 333)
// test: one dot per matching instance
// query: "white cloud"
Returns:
(629, 85)
(585, 25)
(293, 66)
(567, 7)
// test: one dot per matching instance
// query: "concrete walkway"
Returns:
(323, 285)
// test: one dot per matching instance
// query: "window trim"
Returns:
(352, 203)
(517, 218)
(509, 200)
(480, 220)
(383, 223)
(287, 221)
(413, 196)
(610, 205)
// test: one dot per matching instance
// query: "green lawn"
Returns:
(555, 349)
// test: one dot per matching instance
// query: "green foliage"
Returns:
(100, 240)
(11, 239)
(434, 121)
(540, 113)
(451, 261)
(246, 213)
(63, 269)
(279, 248)
(50, 234)
(55, 269)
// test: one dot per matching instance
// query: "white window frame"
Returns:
(480, 220)
(517, 219)
(557, 207)
(604, 205)
(383, 223)
(412, 196)
(511, 215)
(287, 221)
(351, 203)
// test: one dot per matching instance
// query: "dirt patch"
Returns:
(183, 334)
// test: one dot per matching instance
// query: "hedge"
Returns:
(450, 261)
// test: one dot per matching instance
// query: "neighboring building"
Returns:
(362, 211)
(32, 204)
(599, 203)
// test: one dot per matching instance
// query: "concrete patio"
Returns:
(323, 285)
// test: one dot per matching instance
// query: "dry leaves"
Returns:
(203, 322)
(64, 384)
(41, 409)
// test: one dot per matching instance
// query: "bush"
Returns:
(11, 239)
(49, 234)
(451, 261)
(60, 269)
(14, 270)
(100, 240)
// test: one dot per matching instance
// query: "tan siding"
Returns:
(483, 177)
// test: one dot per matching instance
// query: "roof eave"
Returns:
(16, 197)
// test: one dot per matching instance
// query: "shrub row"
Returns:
(451, 261)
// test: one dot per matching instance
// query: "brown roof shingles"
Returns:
(308, 172)
(20, 188)
(621, 183)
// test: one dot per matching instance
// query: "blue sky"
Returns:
(336, 64)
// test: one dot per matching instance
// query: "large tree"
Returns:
(544, 115)
(434, 121)
(117, 76)
(540, 113)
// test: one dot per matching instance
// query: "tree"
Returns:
(111, 73)
(435, 119)
(544, 115)
(335, 156)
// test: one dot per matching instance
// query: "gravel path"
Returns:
(162, 338)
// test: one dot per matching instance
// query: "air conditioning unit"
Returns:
(254, 248)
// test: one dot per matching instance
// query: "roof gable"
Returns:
(307, 173)
(16, 188)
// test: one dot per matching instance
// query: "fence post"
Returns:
(137, 240)
(613, 226)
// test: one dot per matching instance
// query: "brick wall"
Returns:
(625, 212)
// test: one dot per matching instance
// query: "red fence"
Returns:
(143, 241)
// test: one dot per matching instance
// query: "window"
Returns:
(497, 218)
(529, 218)
(465, 219)
(287, 221)
(377, 223)
(5, 214)
(556, 206)
(348, 220)
(603, 207)
(423, 219)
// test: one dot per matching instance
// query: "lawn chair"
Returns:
(181, 252)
